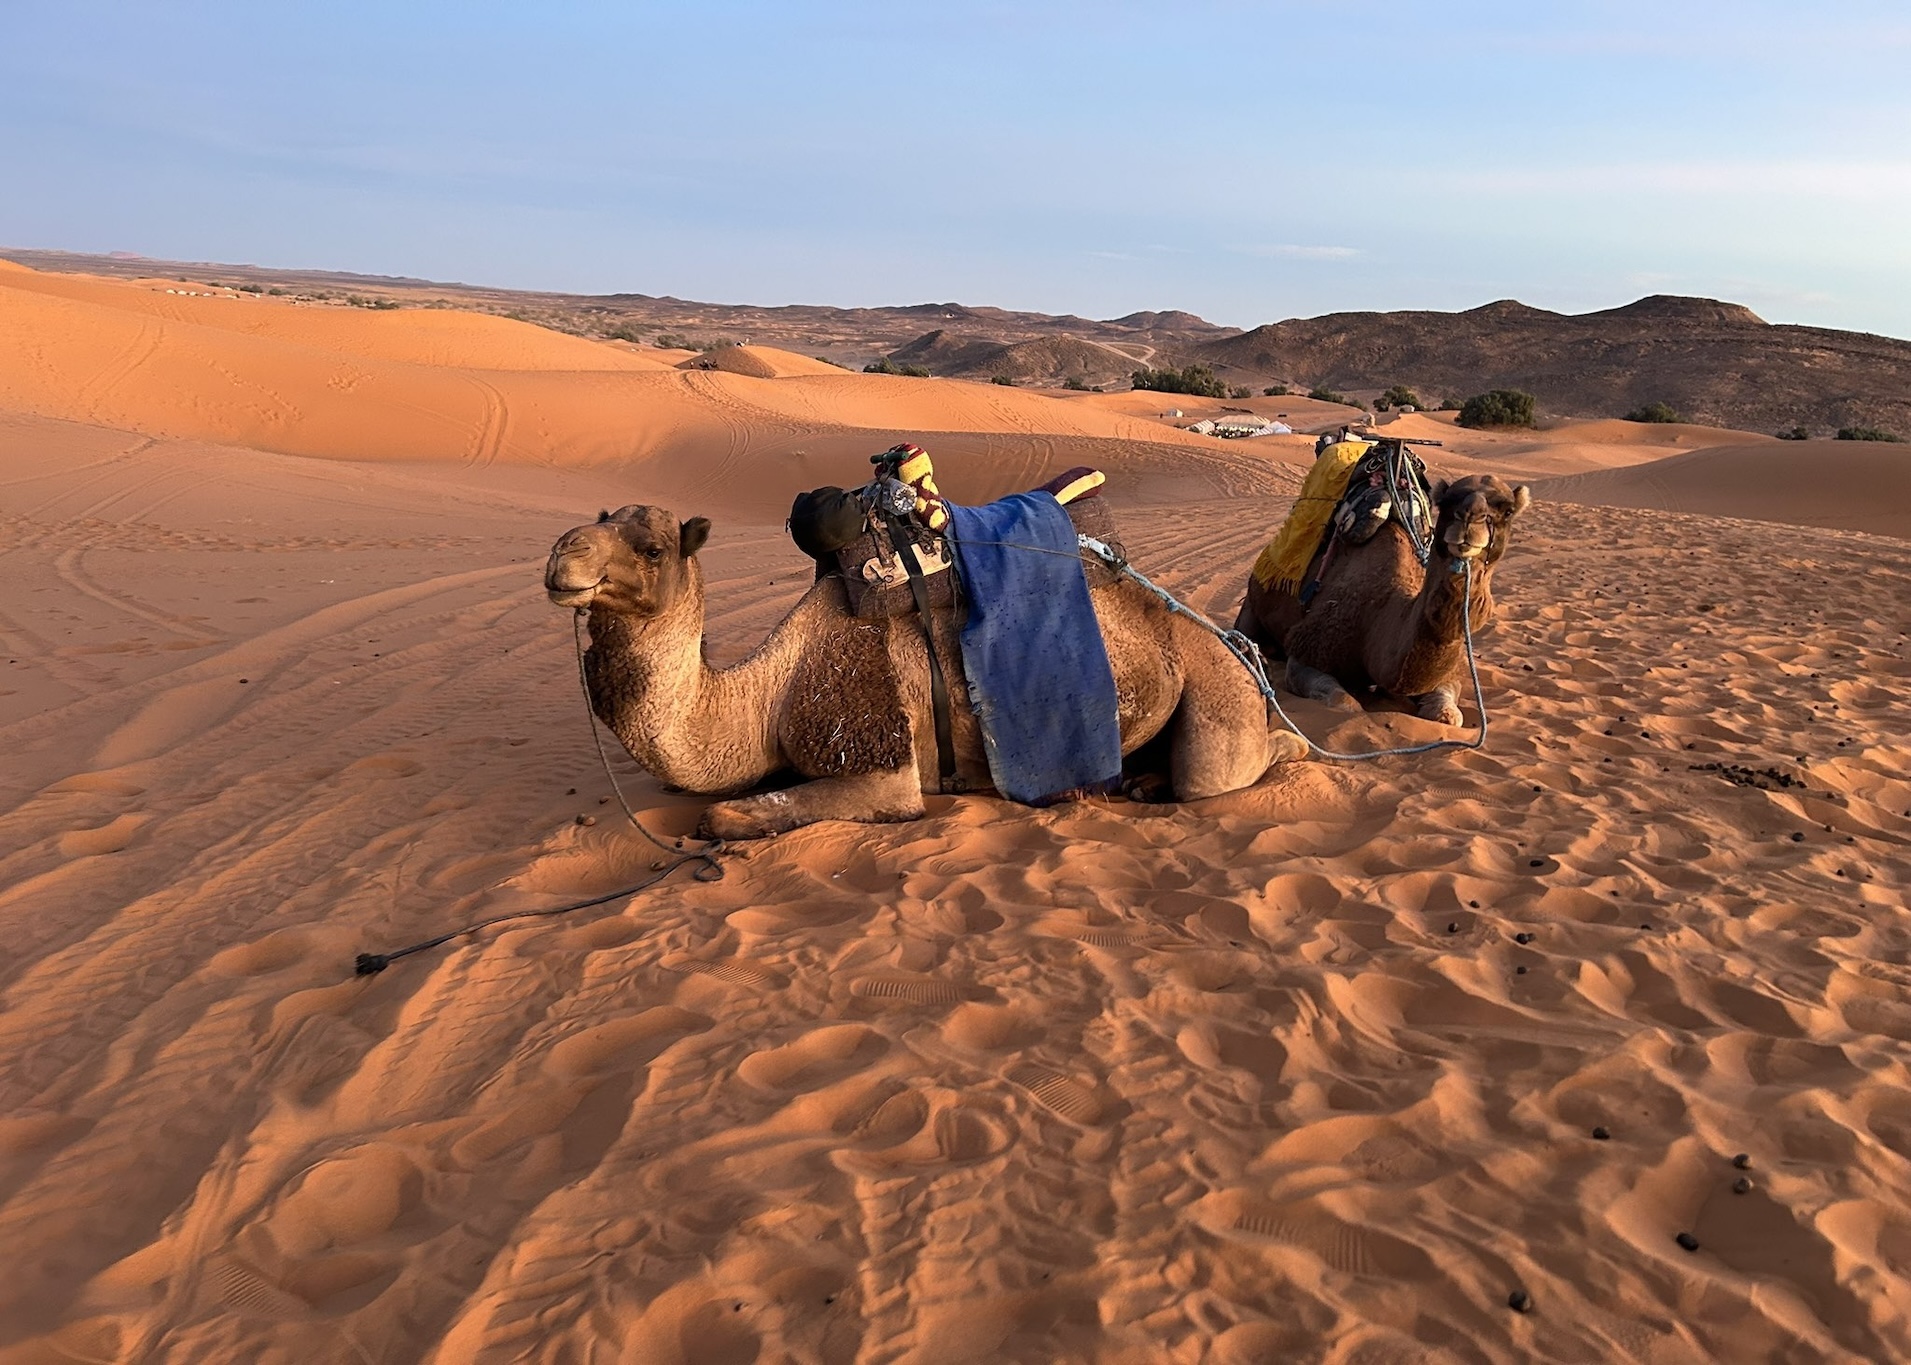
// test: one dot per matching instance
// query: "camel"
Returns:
(1380, 619)
(844, 702)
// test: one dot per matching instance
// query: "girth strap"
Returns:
(902, 543)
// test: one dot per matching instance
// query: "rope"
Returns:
(370, 964)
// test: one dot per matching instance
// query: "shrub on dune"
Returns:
(1866, 434)
(1654, 412)
(1497, 408)
(1197, 380)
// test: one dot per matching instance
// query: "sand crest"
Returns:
(1308, 1072)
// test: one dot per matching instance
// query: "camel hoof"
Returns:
(1152, 789)
(728, 820)
(1284, 746)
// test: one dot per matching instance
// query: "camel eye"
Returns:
(653, 554)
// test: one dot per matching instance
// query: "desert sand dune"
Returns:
(1856, 485)
(761, 362)
(1309, 1072)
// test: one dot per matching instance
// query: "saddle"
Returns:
(1389, 483)
(892, 532)
(888, 541)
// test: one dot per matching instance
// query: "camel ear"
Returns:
(691, 535)
(1522, 498)
(603, 516)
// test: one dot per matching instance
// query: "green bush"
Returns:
(1004, 380)
(1399, 396)
(888, 366)
(623, 331)
(1498, 408)
(361, 301)
(1795, 434)
(1197, 380)
(1449, 404)
(1075, 382)
(1329, 396)
(1275, 391)
(1654, 412)
(1240, 391)
(1866, 434)
(672, 341)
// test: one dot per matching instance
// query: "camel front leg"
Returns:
(1315, 685)
(1441, 705)
(867, 798)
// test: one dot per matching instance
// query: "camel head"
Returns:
(635, 561)
(1474, 514)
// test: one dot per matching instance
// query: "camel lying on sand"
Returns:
(845, 701)
(1379, 619)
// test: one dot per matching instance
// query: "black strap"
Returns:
(904, 545)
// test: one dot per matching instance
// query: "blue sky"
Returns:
(1246, 161)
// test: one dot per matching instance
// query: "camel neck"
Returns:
(1440, 613)
(690, 725)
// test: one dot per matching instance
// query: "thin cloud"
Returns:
(1849, 180)
(1295, 252)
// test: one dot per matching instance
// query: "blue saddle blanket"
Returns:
(1038, 671)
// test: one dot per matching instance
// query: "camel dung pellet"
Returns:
(1537, 862)
(1743, 1161)
(1798, 836)
(1522, 937)
(1520, 1301)
(603, 800)
(1688, 1241)
(1601, 1133)
(587, 819)
(1519, 971)
(1743, 1185)
(1453, 927)
(1473, 905)
(571, 791)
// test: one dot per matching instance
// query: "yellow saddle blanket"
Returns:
(1286, 557)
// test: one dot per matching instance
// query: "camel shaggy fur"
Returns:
(845, 702)
(1379, 619)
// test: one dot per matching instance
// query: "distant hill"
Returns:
(1043, 360)
(1717, 363)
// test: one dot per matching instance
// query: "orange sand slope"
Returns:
(1308, 1072)
(1858, 485)
(350, 384)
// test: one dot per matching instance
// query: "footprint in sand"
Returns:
(735, 970)
(908, 988)
(1058, 1092)
(814, 1059)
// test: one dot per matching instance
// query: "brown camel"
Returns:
(845, 702)
(1379, 619)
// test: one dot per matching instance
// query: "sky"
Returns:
(1245, 161)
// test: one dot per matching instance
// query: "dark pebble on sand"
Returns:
(1522, 938)
(1453, 927)
(1688, 1241)
(1601, 1134)
(571, 792)
(1743, 1185)
(1798, 836)
(1475, 905)
(1742, 1161)
(1537, 862)
(587, 819)
(1520, 1301)
(245, 680)
(1519, 971)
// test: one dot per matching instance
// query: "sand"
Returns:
(1264, 1078)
